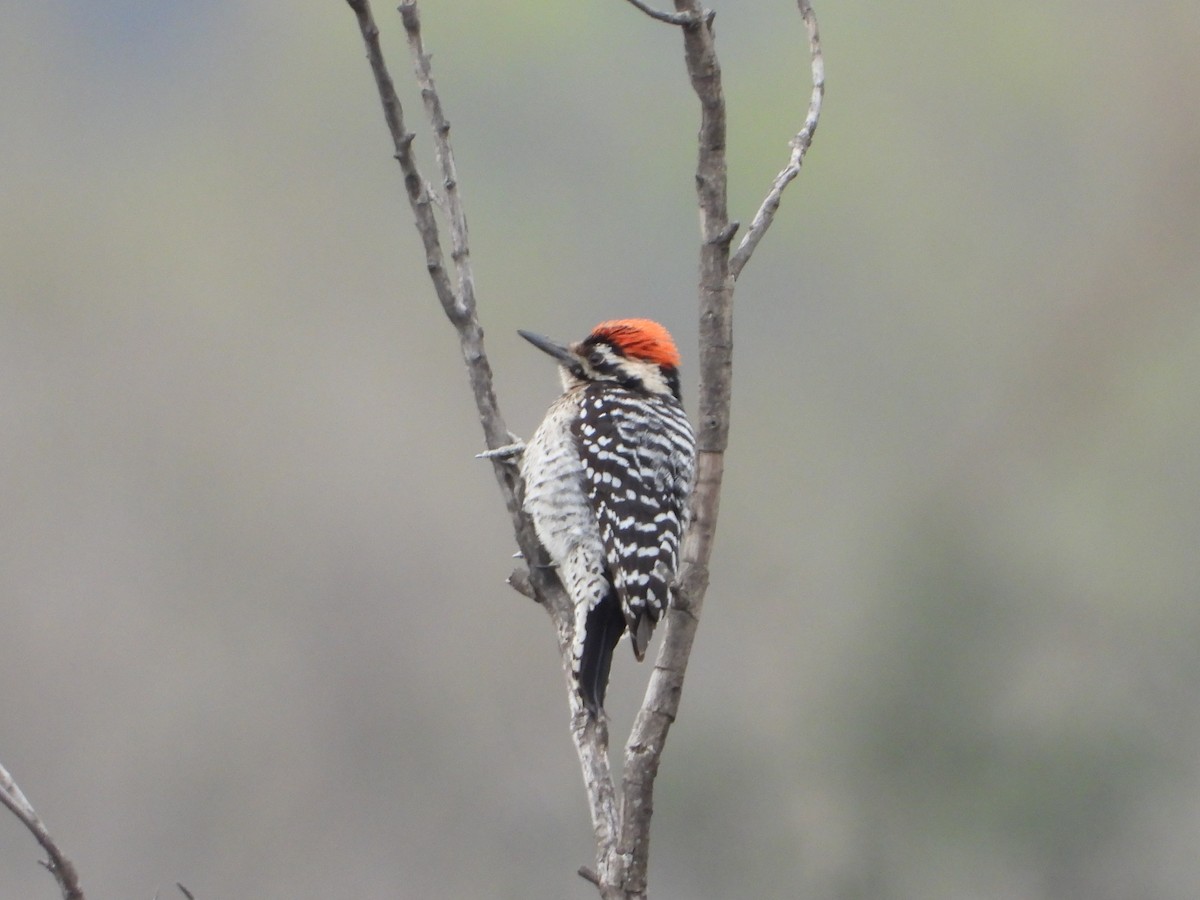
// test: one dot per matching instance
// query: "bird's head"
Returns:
(637, 354)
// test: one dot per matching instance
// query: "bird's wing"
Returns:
(637, 454)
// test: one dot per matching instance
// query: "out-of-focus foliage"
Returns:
(256, 637)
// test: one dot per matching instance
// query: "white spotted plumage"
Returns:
(637, 450)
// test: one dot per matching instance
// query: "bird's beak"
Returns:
(559, 352)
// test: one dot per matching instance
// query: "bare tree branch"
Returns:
(799, 144)
(621, 822)
(659, 15)
(57, 863)
(459, 245)
(643, 751)
(458, 301)
(459, 309)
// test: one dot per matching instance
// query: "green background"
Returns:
(256, 636)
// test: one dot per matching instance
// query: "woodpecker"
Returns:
(608, 476)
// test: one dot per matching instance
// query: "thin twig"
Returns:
(460, 313)
(57, 863)
(459, 244)
(458, 302)
(590, 736)
(660, 16)
(799, 144)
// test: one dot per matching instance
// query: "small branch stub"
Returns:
(670, 18)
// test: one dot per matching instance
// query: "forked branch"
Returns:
(621, 821)
(457, 297)
(458, 301)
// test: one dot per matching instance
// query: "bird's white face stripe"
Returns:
(601, 363)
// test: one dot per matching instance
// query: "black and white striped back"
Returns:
(638, 453)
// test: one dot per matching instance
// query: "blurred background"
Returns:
(256, 633)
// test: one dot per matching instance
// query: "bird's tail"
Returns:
(604, 627)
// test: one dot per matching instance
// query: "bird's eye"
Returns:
(596, 358)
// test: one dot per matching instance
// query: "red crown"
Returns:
(640, 339)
